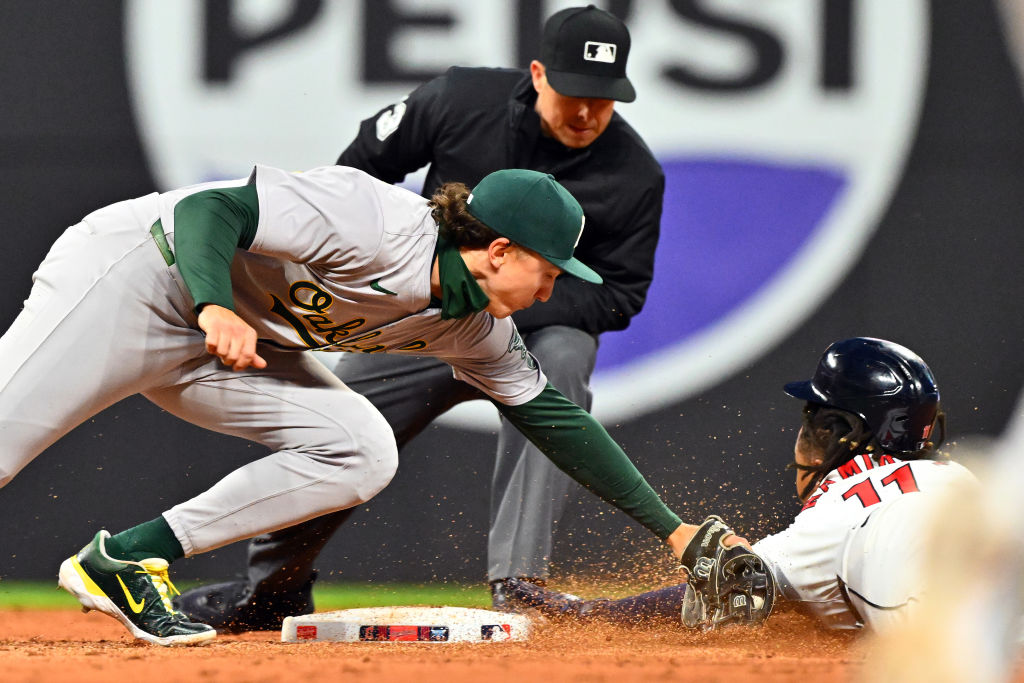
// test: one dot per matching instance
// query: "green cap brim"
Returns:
(576, 267)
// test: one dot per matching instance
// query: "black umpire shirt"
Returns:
(473, 121)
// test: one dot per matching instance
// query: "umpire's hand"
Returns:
(230, 338)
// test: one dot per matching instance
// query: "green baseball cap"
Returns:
(534, 211)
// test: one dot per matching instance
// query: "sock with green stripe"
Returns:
(149, 539)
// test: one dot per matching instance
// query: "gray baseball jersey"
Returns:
(341, 262)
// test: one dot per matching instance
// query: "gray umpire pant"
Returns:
(528, 493)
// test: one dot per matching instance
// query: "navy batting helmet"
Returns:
(886, 384)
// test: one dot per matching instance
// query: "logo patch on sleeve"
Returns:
(387, 122)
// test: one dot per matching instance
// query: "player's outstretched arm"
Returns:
(581, 447)
(663, 604)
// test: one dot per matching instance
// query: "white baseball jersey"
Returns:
(342, 262)
(849, 555)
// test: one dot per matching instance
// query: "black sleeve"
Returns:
(626, 262)
(409, 130)
(208, 227)
(663, 603)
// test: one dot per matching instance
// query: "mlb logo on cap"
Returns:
(599, 52)
(584, 52)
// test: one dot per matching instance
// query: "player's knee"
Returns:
(359, 442)
(377, 452)
(383, 458)
(9, 470)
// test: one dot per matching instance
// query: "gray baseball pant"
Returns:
(108, 318)
(528, 493)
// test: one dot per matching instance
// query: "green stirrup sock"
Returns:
(149, 539)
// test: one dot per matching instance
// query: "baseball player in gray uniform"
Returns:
(202, 298)
(557, 117)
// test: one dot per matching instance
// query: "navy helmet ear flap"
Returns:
(887, 385)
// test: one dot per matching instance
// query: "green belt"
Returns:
(157, 231)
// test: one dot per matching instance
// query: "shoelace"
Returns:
(158, 574)
(156, 567)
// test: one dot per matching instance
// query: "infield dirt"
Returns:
(68, 645)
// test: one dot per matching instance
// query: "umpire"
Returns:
(557, 118)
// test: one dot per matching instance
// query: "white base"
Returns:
(407, 624)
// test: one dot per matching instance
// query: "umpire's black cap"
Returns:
(584, 51)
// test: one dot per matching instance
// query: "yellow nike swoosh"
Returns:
(136, 606)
